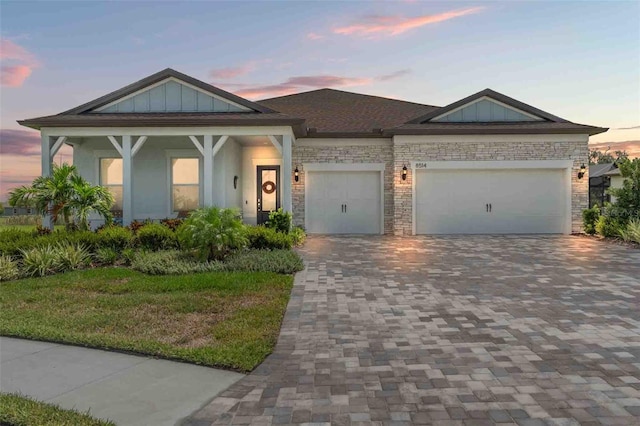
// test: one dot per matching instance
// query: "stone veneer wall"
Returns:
(375, 153)
(406, 152)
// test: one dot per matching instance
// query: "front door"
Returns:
(268, 191)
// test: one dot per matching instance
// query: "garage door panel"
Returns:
(521, 201)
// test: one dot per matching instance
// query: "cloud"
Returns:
(379, 25)
(393, 75)
(232, 72)
(19, 142)
(17, 63)
(631, 147)
(314, 36)
(628, 128)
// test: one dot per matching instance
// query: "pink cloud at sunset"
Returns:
(378, 25)
(232, 72)
(314, 36)
(17, 63)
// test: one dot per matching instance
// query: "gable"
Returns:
(171, 95)
(485, 110)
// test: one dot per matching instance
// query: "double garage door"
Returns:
(446, 201)
(502, 201)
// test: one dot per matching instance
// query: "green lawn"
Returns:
(17, 410)
(218, 319)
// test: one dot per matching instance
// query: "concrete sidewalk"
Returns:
(127, 389)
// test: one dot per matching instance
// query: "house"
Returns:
(601, 178)
(340, 162)
(18, 211)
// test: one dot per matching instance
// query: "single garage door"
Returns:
(504, 201)
(343, 202)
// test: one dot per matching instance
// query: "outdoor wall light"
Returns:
(404, 172)
(235, 182)
(583, 170)
(296, 174)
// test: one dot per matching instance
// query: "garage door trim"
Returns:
(566, 165)
(345, 167)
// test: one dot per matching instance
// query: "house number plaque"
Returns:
(421, 165)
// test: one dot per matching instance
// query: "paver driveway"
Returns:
(451, 330)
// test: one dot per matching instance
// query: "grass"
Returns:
(18, 410)
(219, 319)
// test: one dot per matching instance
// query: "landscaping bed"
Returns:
(18, 410)
(219, 319)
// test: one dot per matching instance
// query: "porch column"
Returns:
(207, 153)
(127, 181)
(47, 220)
(286, 173)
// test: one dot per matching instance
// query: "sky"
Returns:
(578, 60)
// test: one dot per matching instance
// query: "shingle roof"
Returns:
(597, 170)
(336, 111)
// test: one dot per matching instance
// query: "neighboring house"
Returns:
(341, 162)
(601, 178)
(616, 180)
(18, 211)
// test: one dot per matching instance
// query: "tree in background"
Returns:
(1, 209)
(599, 157)
(64, 194)
(627, 198)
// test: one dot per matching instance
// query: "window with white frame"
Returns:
(111, 178)
(185, 184)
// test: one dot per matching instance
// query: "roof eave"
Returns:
(590, 131)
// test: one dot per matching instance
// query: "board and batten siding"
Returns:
(485, 111)
(171, 97)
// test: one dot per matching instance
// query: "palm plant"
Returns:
(62, 195)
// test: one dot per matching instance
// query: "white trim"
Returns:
(566, 165)
(417, 139)
(275, 143)
(139, 143)
(57, 145)
(168, 131)
(286, 185)
(115, 144)
(220, 142)
(344, 142)
(197, 144)
(177, 80)
(483, 165)
(343, 167)
(488, 98)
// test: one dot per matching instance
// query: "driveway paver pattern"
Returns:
(467, 330)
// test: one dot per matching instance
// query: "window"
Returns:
(185, 184)
(111, 178)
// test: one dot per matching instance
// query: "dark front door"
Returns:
(268, 191)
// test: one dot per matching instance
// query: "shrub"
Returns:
(23, 220)
(41, 230)
(106, 256)
(213, 232)
(589, 219)
(262, 238)
(632, 231)
(280, 221)
(154, 236)
(72, 256)
(40, 261)
(172, 263)
(627, 204)
(608, 226)
(137, 224)
(172, 224)
(278, 261)
(298, 236)
(115, 237)
(8, 268)
(128, 255)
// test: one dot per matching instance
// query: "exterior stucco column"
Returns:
(127, 180)
(286, 173)
(47, 220)
(208, 170)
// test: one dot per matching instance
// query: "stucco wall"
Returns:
(408, 149)
(343, 151)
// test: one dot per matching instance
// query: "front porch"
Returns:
(163, 172)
